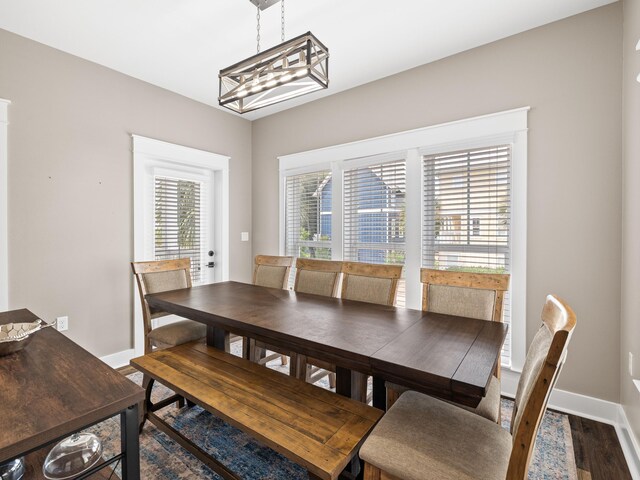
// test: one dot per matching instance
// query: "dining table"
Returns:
(442, 355)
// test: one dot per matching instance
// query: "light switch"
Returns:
(244, 236)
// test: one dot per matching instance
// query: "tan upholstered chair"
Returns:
(162, 276)
(273, 272)
(464, 294)
(423, 438)
(318, 277)
(364, 282)
(371, 283)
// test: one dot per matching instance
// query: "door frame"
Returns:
(149, 155)
(4, 202)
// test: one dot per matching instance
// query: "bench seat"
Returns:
(313, 427)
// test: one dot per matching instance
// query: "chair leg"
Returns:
(371, 472)
(284, 359)
(392, 397)
(147, 383)
(332, 380)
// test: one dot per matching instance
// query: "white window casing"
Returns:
(507, 129)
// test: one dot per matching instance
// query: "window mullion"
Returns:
(413, 223)
(337, 215)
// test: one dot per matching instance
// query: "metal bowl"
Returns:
(16, 336)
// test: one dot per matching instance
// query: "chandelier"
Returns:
(293, 68)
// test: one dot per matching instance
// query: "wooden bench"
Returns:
(313, 427)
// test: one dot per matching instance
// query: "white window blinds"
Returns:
(308, 215)
(374, 215)
(467, 214)
(177, 223)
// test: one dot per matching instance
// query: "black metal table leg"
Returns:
(379, 393)
(129, 443)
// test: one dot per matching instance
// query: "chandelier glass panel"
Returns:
(293, 68)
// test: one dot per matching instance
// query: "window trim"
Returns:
(483, 131)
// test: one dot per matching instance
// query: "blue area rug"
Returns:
(162, 459)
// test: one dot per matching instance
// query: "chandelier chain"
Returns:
(282, 19)
(258, 27)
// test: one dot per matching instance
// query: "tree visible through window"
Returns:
(177, 225)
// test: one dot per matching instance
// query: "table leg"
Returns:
(379, 393)
(129, 443)
(347, 384)
(218, 338)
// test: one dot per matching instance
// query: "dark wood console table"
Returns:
(54, 388)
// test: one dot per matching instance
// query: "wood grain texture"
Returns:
(54, 387)
(311, 426)
(365, 337)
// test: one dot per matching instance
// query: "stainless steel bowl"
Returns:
(16, 336)
(13, 470)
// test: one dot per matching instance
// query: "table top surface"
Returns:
(52, 388)
(412, 347)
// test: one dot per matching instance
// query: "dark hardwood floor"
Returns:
(598, 452)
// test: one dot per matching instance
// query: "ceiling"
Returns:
(181, 45)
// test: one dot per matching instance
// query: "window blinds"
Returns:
(374, 215)
(467, 214)
(308, 215)
(177, 226)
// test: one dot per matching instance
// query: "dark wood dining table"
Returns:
(450, 357)
(53, 388)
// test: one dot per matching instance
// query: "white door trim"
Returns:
(149, 154)
(4, 205)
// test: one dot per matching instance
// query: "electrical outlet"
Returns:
(62, 323)
(631, 364)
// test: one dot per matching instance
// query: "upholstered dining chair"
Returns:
(317, 277)
(464, 294)
(161, 276)
(273, 272)
(364, 282)
(369, 282)
(423, 438)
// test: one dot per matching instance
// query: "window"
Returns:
(374, 215)
(453, 210)
(450, 196)
(308, 215)
(177, 234)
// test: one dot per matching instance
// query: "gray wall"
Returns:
(569, 72)
(630, 320)
(71, 184)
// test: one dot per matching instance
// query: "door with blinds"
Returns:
(181, 223)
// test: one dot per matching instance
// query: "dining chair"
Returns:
(464, 294)
(317, 277)
(423, 438)
(273, 272)
(161, 276)
(370, 282)
(364, 282)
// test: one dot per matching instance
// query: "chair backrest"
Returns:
(368, 282)
(545, 359)
(319, 277)
(272, 271)
(155, 277)
(464, 294)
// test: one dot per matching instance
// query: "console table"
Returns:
(54, 388)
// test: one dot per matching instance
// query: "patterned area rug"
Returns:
(162, 459)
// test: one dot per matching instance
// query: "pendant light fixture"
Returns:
(293, 68)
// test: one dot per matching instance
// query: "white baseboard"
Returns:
(119, 359)
(588, 407)
(629, 444)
